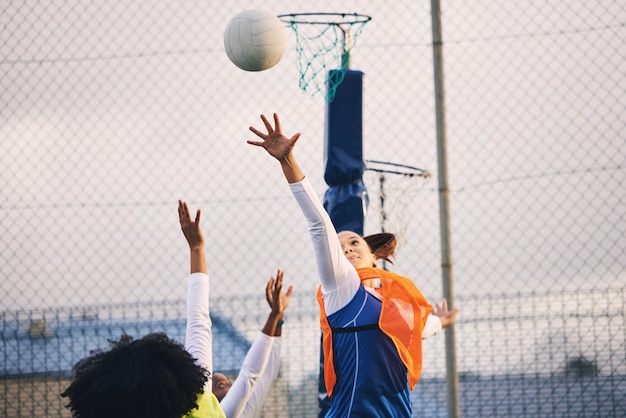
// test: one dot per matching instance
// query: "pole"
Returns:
(452, 377)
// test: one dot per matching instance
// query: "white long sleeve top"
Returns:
(255, 379)
(339, 279)
(260, 366)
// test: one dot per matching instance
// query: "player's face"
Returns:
(221, 385)
(356, 249)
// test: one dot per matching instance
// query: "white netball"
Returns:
(255, 40)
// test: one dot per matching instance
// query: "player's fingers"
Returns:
(257, 132)
(267, 124)
(183, 212)
(289, 291)
(256, 143)
(295, 138)
(278, 286)
(277, 123)
(269, 290)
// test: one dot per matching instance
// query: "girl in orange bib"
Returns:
(371, 336)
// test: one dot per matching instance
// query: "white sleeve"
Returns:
(252, 369)
(198, 334)
(264, 385)
(340, 280)
(432, 327)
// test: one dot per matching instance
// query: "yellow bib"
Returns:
(208, 407)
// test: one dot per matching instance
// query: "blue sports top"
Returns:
(371, 378)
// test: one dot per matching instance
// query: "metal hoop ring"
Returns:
(322, 18)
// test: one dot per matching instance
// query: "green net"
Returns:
(324, 42)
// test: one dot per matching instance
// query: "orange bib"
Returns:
(402, 318)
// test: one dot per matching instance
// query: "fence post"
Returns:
(452, 378)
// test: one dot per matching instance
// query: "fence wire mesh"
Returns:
(110, 111)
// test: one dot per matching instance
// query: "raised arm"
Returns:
(198, 335)
(260, 366)
(338, 278)
(195, 238)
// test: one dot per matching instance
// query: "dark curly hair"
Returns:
(153, 376)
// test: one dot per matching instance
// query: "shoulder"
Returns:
(208, 407)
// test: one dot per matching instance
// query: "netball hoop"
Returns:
(392, 187)
(324, 42)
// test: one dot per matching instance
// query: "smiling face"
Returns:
(221, 385)
(356, 249)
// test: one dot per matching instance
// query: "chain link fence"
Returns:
(110, 111)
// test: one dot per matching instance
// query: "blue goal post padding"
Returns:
(346, 198)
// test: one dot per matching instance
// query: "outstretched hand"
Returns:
(277, 300)
(274, 142)
(191, 228)
(440, 309)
